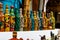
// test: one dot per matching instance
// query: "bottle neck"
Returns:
(12, 11)
(7, 11)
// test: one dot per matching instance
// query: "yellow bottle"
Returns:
(49, 26)
(44, 21)
(25, 19)
(25, 22)
(38, 21)
(35, 21)
(29, 21)
(26, 13)
(7, 19)
(52, 20)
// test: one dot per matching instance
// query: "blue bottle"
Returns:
(32, 19)
(41, 20)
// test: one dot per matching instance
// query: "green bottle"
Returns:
(17, 19)
(12, 19)
(52, 20)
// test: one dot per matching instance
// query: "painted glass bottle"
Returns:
(32, 20)
(12, 19)
(25, 21)
(17, 15)
(41, 20)
(29, 21)
(21, 20)
(38, 21)
(52, 20)
(44, 20)
(7, 19)
(35, 21)
(25, 15)
(48, 22)
(31, 16)
(1, 18)
(17, 20)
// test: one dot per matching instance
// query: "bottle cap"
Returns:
(12, 6)
(7, 6)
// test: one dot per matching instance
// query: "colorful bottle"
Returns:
(21, 20)
(48, 22)
(7, 19)
(44, 20)
(31, 16)
(52, 20)
(17, 15)
(25, 15)
(12, 19)
(41, 20)
(28, 14)
(17, 20)
(1, 18)
(38, 21)
(29, 21)
(35, 21)
(40, 14)
(32, 20)
(25, 21)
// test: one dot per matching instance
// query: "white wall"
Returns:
(30, 34)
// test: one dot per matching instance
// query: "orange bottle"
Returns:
(1, 18)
